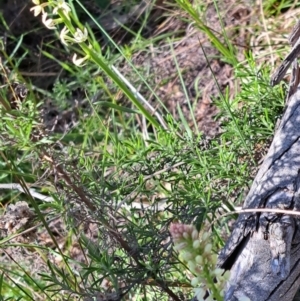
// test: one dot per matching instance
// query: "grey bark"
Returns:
(263, 251)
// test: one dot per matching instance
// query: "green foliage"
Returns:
(275, 7)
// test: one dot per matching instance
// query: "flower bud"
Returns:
(180, 246)
(205, 236)
(196, 244)
(199, 259)
(185, 235)
(218, 272)
(191, 265)
(195, 235)
(186, 256)
(214, 258)
(208, 248)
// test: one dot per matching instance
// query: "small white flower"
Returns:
(64, 38)
(79, 62)
(38, 8)
(65, 7)
(49, 23)
(80, 36)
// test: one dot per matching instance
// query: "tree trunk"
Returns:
(263, 251)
